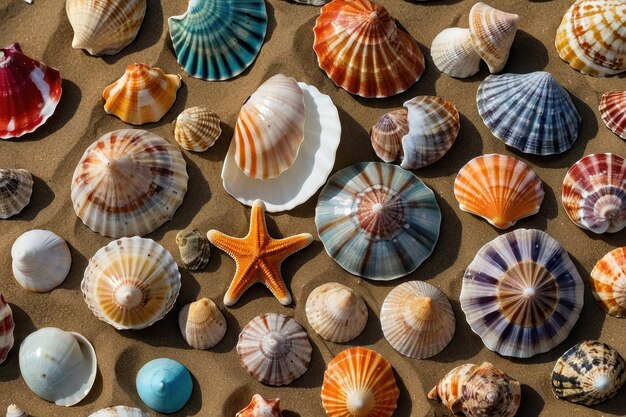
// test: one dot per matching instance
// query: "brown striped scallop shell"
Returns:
(16, 187)
(492, 32)
(202, 324)
(197, 129)
(387, 135)
(608, 282)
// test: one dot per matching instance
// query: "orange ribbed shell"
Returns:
(608, 282)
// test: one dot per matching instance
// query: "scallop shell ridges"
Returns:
(608, 282)
(613, 111)
(16, 187)
(194, 249)
(197, 129)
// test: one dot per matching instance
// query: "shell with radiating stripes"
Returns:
(608, 282)
(336, 312)
(270, 128)
(499, 188)
(449, 390)
(261, 407)
(131, 283)
(529, 112)
(202, 324)
(16, 187)
(453, 53)
(7, 325)
(142, 95)
(363, 51)
(104, 27)
(613, 111)
(490, 392)
(594, 193)
(359, 382)
(417, 319)
(119, 411)
(387, 134)
(377, 220)
(522, 294)
(591, 37)
(492, 32)
(194, 249)
(588, 373)
(129, 182)
(274, 349)
(197, 129)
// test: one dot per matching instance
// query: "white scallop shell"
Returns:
(202, 324)
(453, 53)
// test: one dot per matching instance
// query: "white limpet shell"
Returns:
(315, 161)
(202, 324)
(453, 53)
(14, 411)
(120, 411)
(41, 260)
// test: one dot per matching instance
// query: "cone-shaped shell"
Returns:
(142, 95)
(270, 128)
(529, 112)
(613, 111)
(588, 373)
(522, 294)
(594, 193)
(490, 392)
(260, 407)
(104, 27)
(219, 39)
(16, 187)
(608, 282)
(197, 129)
(194, 249)
(387, 135)
(131, 283)
(359, 383)
(119, 411)
(433, 127)
(7, 325)
(41, 260)
(417, 319)
(336, 312)
(29, 92)
(14, 411)
(591, 37)
(164, 385)
(129, 182)
(377, 220)
(274, 349)
(450, 389)
(453, 53)
(202, 324)
(492, 32)
(363, 51)
(499, 188)
(58, 366)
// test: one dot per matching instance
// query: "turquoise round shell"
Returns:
(164, 385)
(377, 220)
(218, 39)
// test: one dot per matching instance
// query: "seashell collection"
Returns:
(294, 146)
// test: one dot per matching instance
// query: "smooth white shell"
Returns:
(14, 411)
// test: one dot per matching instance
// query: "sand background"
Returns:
(221, 386)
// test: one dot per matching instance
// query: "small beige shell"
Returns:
(14, 411)
(197, 129)
(194, 249)
(336, 312)
(453, 53)
(202, 324)
(492, 32)
(16, 187)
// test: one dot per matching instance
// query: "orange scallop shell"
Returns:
(608, 282)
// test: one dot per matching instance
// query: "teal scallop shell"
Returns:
(164, 385)
(218, 39)
(377, 220)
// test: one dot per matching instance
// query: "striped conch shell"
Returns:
(613, 111)
(197, 129)
(14, 411)
(453, 53)
(104, 27)
(202, 324)
(16, 187)
(608, 282)
(492, 32)
(7, 325)
(270, 128)
(142, 95)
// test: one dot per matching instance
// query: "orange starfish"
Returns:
(258, 257)
(260, 407)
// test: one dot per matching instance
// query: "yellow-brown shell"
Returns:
(197, 129)
(202, 324)
(608, 282)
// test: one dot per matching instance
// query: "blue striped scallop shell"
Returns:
(218, 39)
(377, 220)
(522, 294)
(529, 112)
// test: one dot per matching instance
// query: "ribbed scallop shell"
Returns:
(270, 128)
(363, 51)
(450, 389)
(594, 193)
(129, 182)
(29, 92)
(387, 134)
(377, 220)
(453, 53)
(104, 27)
(613, 111)
(417, 319)
(218, 39)
(433, 127)
(490, 392)
(274, 349)
(7, 325)
(14, 411)
(608, 282)
(194, 249)
(336, 312)
(591, 37)
(529, 112)
(492, 32)
(197, 129)
(119, 411)
(131, 283)
(499, 188)
(260, 407)
(202, 324)
(359, 382)
(522, 294)
(142, 95)
(588, 373)
(41, 260)
(16, 187)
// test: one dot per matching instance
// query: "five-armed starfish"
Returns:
(258, 257)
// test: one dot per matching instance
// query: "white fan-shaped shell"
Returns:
(197, 129)
(120, 411)
(453, 53)
(14, 411)
(202, 324)
(16, 187)
(492, 32)
(41, 260)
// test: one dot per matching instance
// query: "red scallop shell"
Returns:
(613, 111)
(29, 92)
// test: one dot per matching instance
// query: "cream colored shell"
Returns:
(202, 324)
(197, 129)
